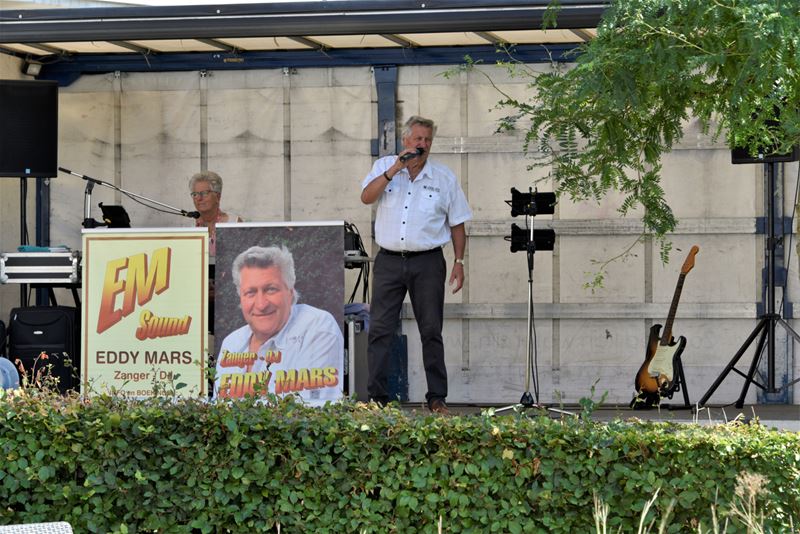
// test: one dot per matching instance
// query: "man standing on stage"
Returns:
(421, 207)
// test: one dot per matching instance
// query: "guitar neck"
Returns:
(666, 335)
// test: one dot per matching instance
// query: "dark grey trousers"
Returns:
(423, 277)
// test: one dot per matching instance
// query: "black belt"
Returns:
(410, 253)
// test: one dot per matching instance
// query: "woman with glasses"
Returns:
(206, 190)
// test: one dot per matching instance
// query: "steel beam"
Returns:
(347, 17)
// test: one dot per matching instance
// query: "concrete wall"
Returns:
(295, 146)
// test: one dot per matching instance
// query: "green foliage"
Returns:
(588, 404)
(109, 465)
(604, 123)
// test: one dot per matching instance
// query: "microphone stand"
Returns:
(89, 222)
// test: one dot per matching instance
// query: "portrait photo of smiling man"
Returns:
(285, 347)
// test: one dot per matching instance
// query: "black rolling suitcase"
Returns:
(50, 330)
(2, 338)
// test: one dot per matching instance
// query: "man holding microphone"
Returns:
(421, 207)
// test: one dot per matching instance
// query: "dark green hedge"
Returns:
(135, 466)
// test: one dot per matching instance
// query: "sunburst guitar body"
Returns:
(657, 373)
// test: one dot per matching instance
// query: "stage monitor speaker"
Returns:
(741, 155)
(29, 133)
(765, 154)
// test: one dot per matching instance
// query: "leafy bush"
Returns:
(118, 465)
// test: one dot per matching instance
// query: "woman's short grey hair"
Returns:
(416, 120)
(264, 258)
(214, 180)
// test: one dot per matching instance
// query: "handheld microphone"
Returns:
(405, 157)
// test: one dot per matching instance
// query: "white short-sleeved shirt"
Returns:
(417, 215)
(305, 357)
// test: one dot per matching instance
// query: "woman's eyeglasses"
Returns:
(201, 194)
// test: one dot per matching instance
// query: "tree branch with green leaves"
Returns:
(604, 122)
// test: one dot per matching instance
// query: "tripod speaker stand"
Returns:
(765, 329)
(530, 204)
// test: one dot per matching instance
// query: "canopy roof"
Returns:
(290, 34)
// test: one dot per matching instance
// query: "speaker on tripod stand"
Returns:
(765, 329)
(29, 149)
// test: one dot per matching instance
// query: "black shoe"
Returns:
(439, 406)
(380, 401)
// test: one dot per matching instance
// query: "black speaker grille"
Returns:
(29, 135)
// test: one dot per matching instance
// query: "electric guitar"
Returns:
(657, 373)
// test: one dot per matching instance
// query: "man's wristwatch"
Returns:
(461, 261)
(387, 176)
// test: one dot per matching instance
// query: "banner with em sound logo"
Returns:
(145, 311)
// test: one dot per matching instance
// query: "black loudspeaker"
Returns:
(46, 341)
(741, 155)
(29, 132)
(765, 154)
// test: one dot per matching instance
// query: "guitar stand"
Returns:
(680, 385)
(641, 402)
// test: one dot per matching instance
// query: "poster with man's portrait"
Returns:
(279, 310)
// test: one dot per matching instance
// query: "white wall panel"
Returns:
(245, 146)
(607, 351)
(337, 118)
(160, 122)
(596, 342)
(495, 275)
(444, 103)
(331, 128)
(327, 195)
(492, 175)
(726, 269)
(86, 146)
(624, 281)
(607, 208)
(484, 113)
(704, 183)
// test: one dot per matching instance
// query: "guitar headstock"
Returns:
(689, 263)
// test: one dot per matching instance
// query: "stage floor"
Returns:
(780, 416)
